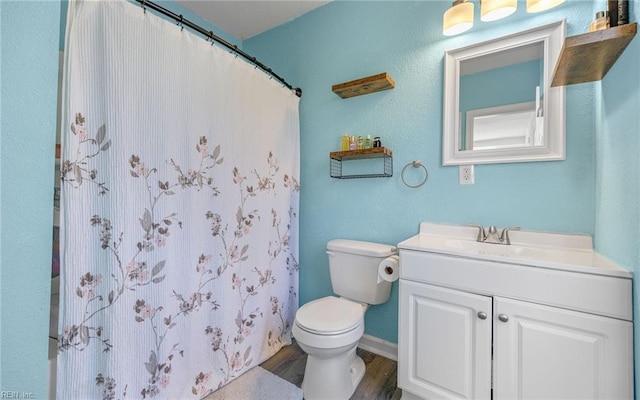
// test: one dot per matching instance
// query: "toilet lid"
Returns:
(330, 315)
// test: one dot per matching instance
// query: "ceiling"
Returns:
(243, 18)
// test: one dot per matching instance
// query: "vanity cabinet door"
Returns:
(444, 343)
(543, 352)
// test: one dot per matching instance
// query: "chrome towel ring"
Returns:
(415, 164)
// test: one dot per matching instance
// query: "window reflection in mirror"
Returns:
(503, 127)
(500, 99)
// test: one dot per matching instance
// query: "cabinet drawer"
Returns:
(597, 294)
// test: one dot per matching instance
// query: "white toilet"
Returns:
(328, 329)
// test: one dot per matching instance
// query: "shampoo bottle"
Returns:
(345, 142)
(352, 143)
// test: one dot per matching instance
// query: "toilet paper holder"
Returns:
(388, 269)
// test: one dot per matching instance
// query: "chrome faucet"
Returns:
(504, 236)
(482, 235)
(491, 235)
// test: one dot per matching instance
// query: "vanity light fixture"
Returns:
(458, 18)
(493, 10)
(534, 6)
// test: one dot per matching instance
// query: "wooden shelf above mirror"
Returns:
(370, 84)
(588, 57)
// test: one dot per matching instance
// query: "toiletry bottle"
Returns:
(352, 143)
(345, 142)
(367, 142)
(623, 12)
(377, 142)
(613, 12)
(601, 22)
(360, 144)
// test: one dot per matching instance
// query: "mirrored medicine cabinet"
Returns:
(499, 106)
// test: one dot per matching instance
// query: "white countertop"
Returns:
(559, 251)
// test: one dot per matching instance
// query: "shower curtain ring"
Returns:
(181, 22)
(144, 8)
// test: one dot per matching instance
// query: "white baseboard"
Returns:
(379, 346)
(409, 396)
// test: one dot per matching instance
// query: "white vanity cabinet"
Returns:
(491, 326)
(444, 349)
(543, 352)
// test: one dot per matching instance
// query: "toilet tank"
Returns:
(353, 266)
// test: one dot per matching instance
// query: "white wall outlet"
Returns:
(465, 175)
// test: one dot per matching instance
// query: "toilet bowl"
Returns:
(328, 329)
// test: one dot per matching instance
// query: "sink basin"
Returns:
(492, 249)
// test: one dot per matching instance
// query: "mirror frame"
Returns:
(552, 36)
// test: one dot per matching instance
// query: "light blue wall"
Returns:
(618, 170)
(29, 80)
(346, 40)
(483, 89)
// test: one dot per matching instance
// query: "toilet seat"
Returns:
(330, 316)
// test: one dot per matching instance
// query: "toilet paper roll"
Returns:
(388, 269)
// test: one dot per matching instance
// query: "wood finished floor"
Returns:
(379, 382)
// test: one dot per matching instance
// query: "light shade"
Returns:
(534, 6)
(458, 18)
(491, 10)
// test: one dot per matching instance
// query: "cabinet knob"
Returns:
(503, 317)
(482, 315)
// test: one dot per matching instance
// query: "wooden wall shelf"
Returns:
(337, 157)
(370, 84)
(375, 152)
(588, 57)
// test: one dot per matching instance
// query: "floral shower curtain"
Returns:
(179, 226)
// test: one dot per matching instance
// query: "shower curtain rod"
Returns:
(185, 22)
